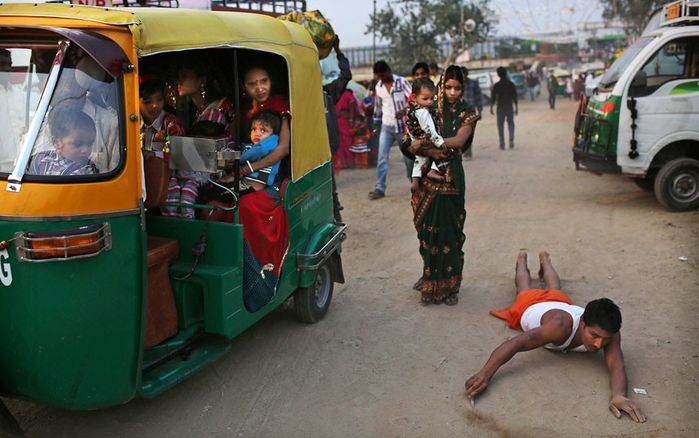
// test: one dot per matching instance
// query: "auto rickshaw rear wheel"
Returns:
(312, 303)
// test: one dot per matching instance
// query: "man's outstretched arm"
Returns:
(552, 332)
(618, 382)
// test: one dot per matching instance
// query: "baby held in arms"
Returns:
(420, 120)
(264, 134)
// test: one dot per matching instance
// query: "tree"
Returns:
(430, 30)
(634, 14)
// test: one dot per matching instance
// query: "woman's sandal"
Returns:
(451, 300)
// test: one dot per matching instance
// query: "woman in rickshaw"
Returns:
(258, 86)
(266, 228)
(198, 84)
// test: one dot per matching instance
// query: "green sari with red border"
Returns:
(439, 214)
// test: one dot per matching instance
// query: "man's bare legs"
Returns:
(522, 276)
(547, 273)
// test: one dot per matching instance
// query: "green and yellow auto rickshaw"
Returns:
(101, 298)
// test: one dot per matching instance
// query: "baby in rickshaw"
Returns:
(264, 134)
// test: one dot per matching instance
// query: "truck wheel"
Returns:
(312, 303)
(677, 184)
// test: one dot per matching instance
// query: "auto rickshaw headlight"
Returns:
(64, 244)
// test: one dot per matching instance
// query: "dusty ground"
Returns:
(382, 365)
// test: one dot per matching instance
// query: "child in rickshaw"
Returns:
(264, 134)
(185, 184)
(157, 125)
(72, 134)
(420, 122)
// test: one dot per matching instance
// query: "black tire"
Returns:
(677, 185)
(647, 183)
(312, 303)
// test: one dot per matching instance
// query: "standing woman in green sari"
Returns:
(439, 206)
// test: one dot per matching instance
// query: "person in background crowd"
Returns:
(473, 97)
(578, 85)
(552, 86)
(434, 72)
(347, 118)
(420, 70)
(532, 85)
(9, 140)
(334, 92)
(505, 94)
(392, 92)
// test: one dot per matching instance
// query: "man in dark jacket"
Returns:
(505, 94)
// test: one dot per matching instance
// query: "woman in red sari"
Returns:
(266, 227)
(346, 109)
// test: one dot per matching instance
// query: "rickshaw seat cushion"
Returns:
(161, 311)
(157, 174)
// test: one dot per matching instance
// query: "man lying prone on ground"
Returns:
(549, 320)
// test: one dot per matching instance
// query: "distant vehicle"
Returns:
(486, 80)
(593, 68)
(642, 119)
(562, 77)
(520, 81)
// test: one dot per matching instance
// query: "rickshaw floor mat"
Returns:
(259, 283)
(161, 312)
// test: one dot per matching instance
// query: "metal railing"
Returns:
(269, 6)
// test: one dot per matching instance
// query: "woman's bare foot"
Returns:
(433, 174)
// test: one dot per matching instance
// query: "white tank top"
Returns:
(531, 318)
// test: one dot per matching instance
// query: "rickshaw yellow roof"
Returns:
(160, 29)
(157, 30)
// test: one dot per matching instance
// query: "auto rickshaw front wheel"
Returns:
(312, 303)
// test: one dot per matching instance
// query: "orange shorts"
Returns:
(513, 314)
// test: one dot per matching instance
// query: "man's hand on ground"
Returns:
(475, 385)
(620, 402)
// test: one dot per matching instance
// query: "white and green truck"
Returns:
(642, 119)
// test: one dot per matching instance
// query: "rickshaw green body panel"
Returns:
(212, 298)
(72, 346)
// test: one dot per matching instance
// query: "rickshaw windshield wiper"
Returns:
(14, 181)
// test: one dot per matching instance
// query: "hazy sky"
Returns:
(349, 18)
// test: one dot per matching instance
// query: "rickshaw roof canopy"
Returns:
(160, 30)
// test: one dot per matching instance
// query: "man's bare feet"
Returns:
(544, 259)
(433, 174)
(522, 275)
(522, 258)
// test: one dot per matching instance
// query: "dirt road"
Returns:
(382, 365)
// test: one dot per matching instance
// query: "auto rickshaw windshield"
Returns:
(78, 133)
